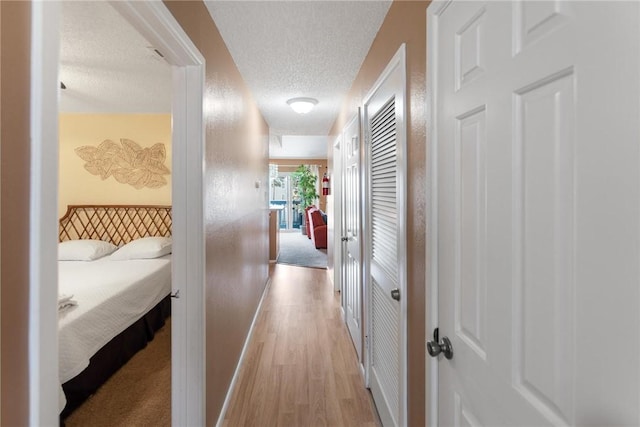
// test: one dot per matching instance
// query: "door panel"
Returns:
(352, 296)
(385, 316)
(385, 367)
(543, 244)
(471, 283)
(386, 232)
(537, 206)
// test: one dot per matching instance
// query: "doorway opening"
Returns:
(157, 25)
(284, 197)
(115, 154)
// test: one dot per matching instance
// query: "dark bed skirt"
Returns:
(114, 355)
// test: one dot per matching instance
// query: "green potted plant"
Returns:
(305, 182)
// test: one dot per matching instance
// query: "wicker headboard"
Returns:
(117, 224)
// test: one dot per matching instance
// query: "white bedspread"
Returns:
(111, 296)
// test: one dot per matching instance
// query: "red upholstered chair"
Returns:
(319, 229)
(307, 211)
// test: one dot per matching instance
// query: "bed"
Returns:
(118, 301)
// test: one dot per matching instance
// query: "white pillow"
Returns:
(84, 250)
(144, 248)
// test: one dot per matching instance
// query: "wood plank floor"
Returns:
(300, 368)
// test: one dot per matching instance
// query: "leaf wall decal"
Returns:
(109, 146)
(122, 175)
(156, 181)
(86, 153)
(139, 178)
(158, 152)
(92, 168)
(156, 167)
(121, 160)
(128, 164)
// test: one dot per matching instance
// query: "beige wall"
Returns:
(237, 240)
(14, 219)
(236, 212)
(405, 23)
(78, 186)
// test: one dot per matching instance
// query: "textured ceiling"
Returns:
(287, 49)
(283, 49)
(298, 147)
(107, 66)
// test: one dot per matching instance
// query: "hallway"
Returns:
(300, 367)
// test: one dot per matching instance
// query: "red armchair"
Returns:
(318, 229)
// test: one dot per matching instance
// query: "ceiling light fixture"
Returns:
(302, 105)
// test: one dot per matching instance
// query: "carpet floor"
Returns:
(297, 249)
(139, 394)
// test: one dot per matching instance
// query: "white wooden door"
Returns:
(385, 269)
(537, 141)
(352, 264)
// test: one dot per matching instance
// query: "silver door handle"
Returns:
(444, 347)
(435, 346)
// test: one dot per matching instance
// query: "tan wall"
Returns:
(237, 240)
(405, 23)
(78, 186)
(14, 220)
(236, 212)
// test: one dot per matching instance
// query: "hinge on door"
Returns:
(366, 341)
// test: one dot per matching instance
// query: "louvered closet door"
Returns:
(384, 115)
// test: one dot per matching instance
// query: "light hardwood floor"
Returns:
(300, 368)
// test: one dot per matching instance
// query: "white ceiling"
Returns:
(107, 66)
(298, 147)
(283, 49)
(287, 49)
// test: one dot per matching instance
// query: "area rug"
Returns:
(297, 249)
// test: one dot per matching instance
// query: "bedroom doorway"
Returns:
(157, 25)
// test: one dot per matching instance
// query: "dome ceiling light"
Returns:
(302, 105)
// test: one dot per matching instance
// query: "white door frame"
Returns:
(43, 211)
(154, 21)
(338, 204)
(434, 10)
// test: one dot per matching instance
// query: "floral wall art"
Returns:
(114, 159)
(127, 162)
